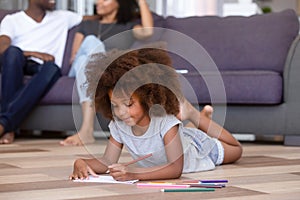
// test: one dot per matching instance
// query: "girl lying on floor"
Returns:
(140, 92)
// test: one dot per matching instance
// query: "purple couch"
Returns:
(247, 67)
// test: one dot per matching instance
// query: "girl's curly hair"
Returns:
(145, 72)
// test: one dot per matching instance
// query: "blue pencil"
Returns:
(213, 181)
(189, 190)
(207, 185)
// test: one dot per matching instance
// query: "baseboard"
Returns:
(292, 140)
(244, 137)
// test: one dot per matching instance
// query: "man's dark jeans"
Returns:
(19, 98)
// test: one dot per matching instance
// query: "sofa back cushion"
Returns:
(3, 13)
(259, 42)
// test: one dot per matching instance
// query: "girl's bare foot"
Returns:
(208, 111)
(7, 138)
(78, 139)
(187, 111)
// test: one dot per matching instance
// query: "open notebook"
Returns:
(104, 179)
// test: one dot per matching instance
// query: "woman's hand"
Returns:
(81, 170)
(145, 29)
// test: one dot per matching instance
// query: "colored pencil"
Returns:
(205, 181)
(138, 159)
(213, 181)
(161, 186)
(189, 190)
(134, 161)
(206, 185)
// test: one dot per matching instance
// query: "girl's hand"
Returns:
(120, 172)
(81, 170)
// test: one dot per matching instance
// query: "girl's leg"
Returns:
(203, 121)
(85, 134)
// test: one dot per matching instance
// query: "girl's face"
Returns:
(107, 7)
(129, 110)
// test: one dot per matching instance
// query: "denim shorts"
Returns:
(217, 153)
(211, 147)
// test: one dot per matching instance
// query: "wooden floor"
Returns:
(39, 169)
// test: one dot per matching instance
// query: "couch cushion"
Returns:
(259, 42)
(62, 92)
(241, 87)
(3, 13)
(66, 66)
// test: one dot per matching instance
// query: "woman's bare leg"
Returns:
(202, 120)
(85, 134)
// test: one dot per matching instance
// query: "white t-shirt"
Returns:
(48, 36)
(195, 158)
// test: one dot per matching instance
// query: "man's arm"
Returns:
(5, 42)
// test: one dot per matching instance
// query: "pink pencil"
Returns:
(161, 186)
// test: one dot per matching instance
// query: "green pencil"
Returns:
(189, 190)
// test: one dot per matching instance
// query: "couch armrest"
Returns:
(291, 83)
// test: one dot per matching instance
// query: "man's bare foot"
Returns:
(78, 140)
(7, 138)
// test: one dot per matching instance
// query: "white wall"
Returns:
(201, 7)
(185, 8)
(13, 4)
(278, 5)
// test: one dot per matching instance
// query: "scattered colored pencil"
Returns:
(189, 190)
(205, 181)
(206, 185)
(138, 159)
(161, 186)
(134, 161)
(213, 181)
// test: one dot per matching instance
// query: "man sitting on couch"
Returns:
(32, 42)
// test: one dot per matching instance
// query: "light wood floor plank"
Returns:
(39, 169)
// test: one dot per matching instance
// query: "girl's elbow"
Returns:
(178, 168)
(177, 174)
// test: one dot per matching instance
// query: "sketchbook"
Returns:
(104, 179)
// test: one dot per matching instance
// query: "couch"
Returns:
(246, 67)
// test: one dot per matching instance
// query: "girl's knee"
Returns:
(232, 153)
